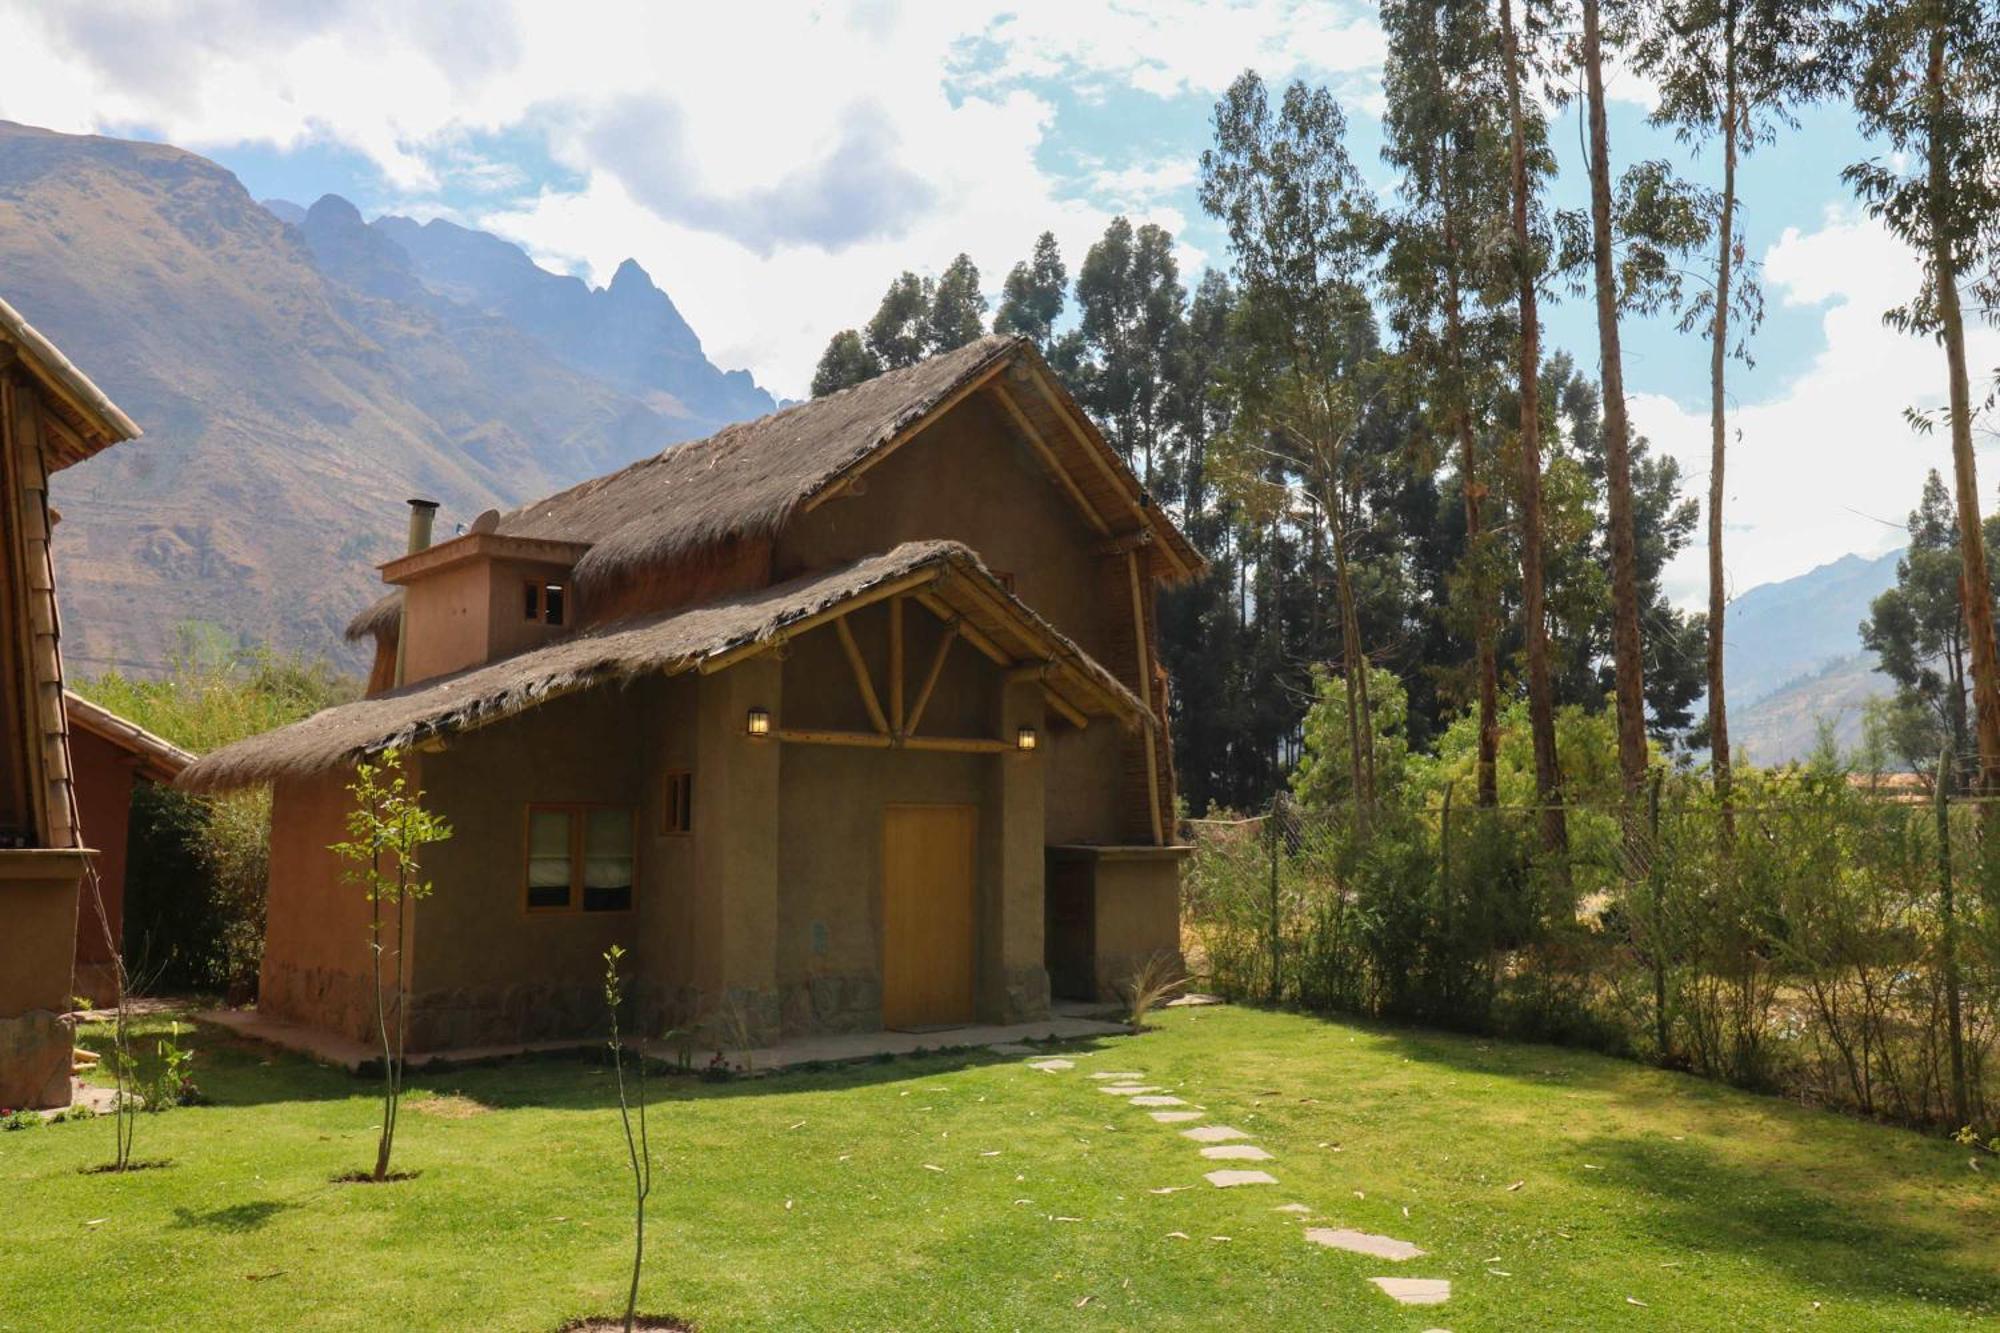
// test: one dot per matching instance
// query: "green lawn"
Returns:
(804, 1201)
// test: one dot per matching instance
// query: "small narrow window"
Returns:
(608, 860)
(532, 600)
(551, 868)
(552, 604)
(677, 803)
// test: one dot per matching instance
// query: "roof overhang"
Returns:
(84, 420)
(156, 757)
(945, 577)
(481, 546)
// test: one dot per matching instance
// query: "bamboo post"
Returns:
(1948, 939)
(1274, 824)
(1662, 1031)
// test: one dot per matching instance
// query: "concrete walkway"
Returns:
(346, 1053)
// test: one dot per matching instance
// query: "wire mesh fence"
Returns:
(1829, 938)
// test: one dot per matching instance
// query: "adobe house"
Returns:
(108, 756)
(50, 417)
(846, 718)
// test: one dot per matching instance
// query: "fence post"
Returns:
(1662, 1030)
(1275, 825)
(1948, 939)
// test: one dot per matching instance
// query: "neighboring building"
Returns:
(50, 417)
(844, 718)
(108, 755)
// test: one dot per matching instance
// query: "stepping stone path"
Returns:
(1224, 1180)
(1415, 1290)
(1221, 1144)
(1236, 1152)
(1360, 1242)
(1213, 1134)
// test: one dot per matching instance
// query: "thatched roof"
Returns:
(707, 637)
(157, 757)
(746, 479)
(91, 419)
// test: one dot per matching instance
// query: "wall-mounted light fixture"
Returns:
(758, 722)
(1025, 738)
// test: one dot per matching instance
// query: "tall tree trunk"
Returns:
(1485, 631)
(1975, 587)
(1535, 625)
(1718, 357)
(1626, 650)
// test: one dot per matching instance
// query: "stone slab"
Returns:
(1213, 1134)
(1236, 1152)
(1126, 1089)
(1052, 1066)
(1176, 1117)
(1156, 1100)
(1360, 1242)
(1230, 1179)
(1415, 1290)
(1128, 1076)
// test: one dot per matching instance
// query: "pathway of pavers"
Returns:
(1220, 1144)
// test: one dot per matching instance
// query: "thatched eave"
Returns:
(92, 421)
(706, 638)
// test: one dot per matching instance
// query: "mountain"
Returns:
(298, 376)
(1795, 658)
(629, 333)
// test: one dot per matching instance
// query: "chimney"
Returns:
(423, 513)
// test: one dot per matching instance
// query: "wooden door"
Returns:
(927, 914)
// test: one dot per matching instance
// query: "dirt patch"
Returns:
(449, 1106)
(368, 1177)
(112, 1168)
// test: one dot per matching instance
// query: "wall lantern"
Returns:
(758, 722)
(1024, 739)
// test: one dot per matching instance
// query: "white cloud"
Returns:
(772, 167)
(1818, 468)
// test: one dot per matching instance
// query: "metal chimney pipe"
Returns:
(423, 514)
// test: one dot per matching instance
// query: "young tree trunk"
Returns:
(1541, 693)
(382, 1027)
(1626, 650)
(1718, 356)
(1975, 587)
(1485, 631)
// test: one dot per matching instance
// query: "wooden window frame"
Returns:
(579, 813)
(677, 803)
(536, 602)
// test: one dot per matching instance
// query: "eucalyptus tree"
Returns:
(1033, 296)
(1528, 161)
(1446, 131)
(846, 362)
(1131, 308)
(1927, 85)
(957, 313)
(1302, 231)
(1731, 71)
(899, 331)
(1627, 649)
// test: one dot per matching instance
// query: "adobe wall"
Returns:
(104, 778)
(1138, 915)
(317, 968)
(971, 478)
(486, 969)
(832, 801)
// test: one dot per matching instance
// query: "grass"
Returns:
(804, 1201)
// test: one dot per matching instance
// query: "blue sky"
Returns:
(774, 166)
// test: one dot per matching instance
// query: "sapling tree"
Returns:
(637, 1148)
(388, 828)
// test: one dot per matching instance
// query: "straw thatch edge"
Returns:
(658, 645)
